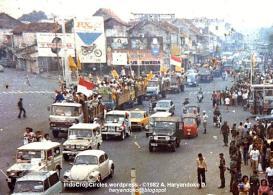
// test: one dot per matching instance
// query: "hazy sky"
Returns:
(241, 13)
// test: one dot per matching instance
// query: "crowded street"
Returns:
(159, 167)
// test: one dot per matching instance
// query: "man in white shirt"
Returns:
(248, 124)
(205, 121)
(269, 174)
(254, 157)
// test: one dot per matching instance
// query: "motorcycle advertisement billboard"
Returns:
(55, 44)
(90, 40)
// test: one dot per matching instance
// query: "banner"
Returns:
(90, 40)
(53, 44)
(176, 61)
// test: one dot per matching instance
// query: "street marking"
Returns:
(26, 92)
(137, 145)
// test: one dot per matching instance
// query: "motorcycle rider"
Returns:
(200, 95)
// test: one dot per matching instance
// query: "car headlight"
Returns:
(78, 147)
(83, 147)
(168, 138)
(52, 124)
(66, 146)
(67, 175)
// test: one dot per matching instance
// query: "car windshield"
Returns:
(86, 159)
(164, 127)
(28, 186)
(28, 154)
(189, 121)
(192, 110)
(137, 115)
(152, 84)
(163, 104)
(191, 77)
(65, 111)
(80, 132)
(114, 118)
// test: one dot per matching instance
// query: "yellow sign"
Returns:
(175, 50)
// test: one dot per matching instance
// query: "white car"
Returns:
(90, 167)
(39, 183)
(165, 106)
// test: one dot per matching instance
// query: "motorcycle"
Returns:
(217, 120)
(200, 97)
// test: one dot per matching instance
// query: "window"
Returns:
(49, 154)
(56, 151)
(106, 156)
(53, 179)
(101, 159)
(46, 185)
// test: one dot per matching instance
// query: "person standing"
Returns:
(225, 131)
(21, 108)
(205, 121)
(269, 175)
(254, 157)
(201, 170)
(227, 102)
(254, 183)
(222, 167)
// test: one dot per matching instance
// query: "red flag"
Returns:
(85, 87)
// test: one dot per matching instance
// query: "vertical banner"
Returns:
(90, 40)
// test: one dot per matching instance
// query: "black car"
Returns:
(166, 133)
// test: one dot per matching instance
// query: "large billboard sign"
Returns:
(90, 40)
(55, 44)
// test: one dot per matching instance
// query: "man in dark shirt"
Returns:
(222, 167)
(21, 108)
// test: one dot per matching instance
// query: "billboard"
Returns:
(53, 44)
(90, 40)
(119, 59)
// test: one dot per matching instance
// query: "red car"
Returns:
(190, 127)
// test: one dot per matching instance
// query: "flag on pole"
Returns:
(115, 74)
(85, 87)
(176, 61)
(79, 65)
(71, 63)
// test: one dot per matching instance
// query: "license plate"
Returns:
(153, 144)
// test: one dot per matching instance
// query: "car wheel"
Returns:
(66, 157)
(122, 136)
(151, 148)
(177, 143)
(112, 170)
(55, 134)
(103, 137)
(58, 170)
(11, 184)
(173, 148)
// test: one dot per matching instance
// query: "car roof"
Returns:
(167, 119)
(91, 152)
(119, 112)
(39, 145)
(85, 126)
(160, 114)
(189, 115)
(164, 100)
(36, 176)
(138, 111)
(191, 105)
(67, 104)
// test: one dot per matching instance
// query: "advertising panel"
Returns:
(53, 44)
(119, 59)
(90, 40)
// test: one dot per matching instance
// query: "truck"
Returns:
(64, 114)
(117, 100)
(176, 84)
(157, 87)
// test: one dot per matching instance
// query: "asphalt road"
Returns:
(161, 168)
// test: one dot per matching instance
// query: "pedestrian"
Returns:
(254, 183)
(222, 167)
(233, 131)
(245, 146)
(225, 131)
(264, 189)
(205, 121)
(244, 186)
(269, 174)
(21, 108)
(254, 157)
(201, 170)
(28, 81)
(227, 102)
(248, 124)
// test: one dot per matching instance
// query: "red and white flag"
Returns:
(85, 87)
(176, 61)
